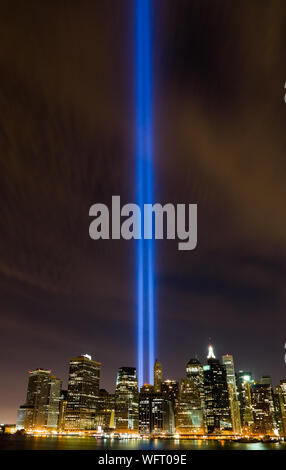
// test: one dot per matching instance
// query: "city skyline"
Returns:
(110, 385)
(212, 398)
(210, 354)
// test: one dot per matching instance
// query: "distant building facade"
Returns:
(104, 418)
(126, 400)
(227, 360)
(217, 403)
(170, 390)
(41, 409)
(83, 393)
(245, 382)
(281, 406)
(263, 408)
(156, 414)
(189, 413)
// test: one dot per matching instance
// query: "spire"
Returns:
(211, 352)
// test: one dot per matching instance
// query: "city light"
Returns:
(243, 411)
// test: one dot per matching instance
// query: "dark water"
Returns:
(92, 443)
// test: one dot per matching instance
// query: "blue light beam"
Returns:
(145, 248)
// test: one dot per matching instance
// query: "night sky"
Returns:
(67, 140)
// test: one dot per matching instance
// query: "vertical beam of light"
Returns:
(149, 190)
(145, 248)
(140, 194)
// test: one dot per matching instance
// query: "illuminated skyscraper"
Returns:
(245, 381)
(104, 417)
(126, 400)
(210, 352)
(170, 389)
(145, 408)
(282, 388)
(189, 413)
(63, 407)
(156, 413)
(227, 360)
(263, 408)
(195, 372)
(41, 409)
(83, 392)
(53, 406)
(218, 414)
(158, 372)
(280, 407)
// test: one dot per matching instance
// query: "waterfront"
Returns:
(12, 442)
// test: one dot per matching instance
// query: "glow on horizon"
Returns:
(145, 248)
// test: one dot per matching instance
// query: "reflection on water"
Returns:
(92, 443)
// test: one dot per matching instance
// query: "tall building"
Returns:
(263, 408)
(280, 407)
(170, 390)
(190, 416)
(156, 415)
(282, 402)
(83, 392)
(105, 410)
(126, 400)
(41, 409)
(158, 373)
(227, 360)
(145, 407)
(195, 372)
(53, 405)
(217, 403)
(278, 411)
(245, 381)
(62, 411)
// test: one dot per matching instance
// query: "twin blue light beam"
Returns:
(145, 248)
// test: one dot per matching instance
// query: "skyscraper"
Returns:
(218, 414)
(195, 372)
(189, 414)
(245, 381)
(105, 410)
(83, 392)
(263, 408)
(145, 407)
(158, 372)
(280, 406)
(227, 360)
(53, 405)
(41, 409)
(156, 414)
(126, 400)
(62, 411)
(170, 389)
(282, 394)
